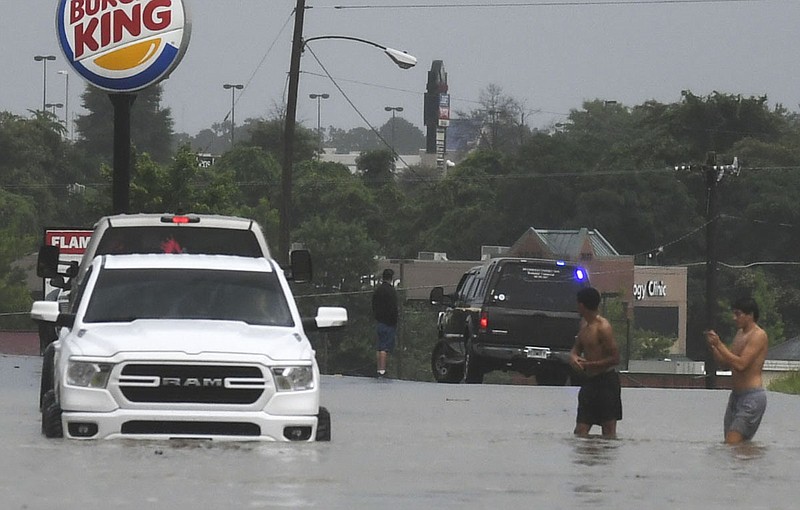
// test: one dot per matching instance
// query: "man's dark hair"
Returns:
(746, 305)
(589, 297)
(388, 274)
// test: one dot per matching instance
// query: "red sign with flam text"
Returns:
(123, 45)
(69, 241)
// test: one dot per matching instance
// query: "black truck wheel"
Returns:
(323, 425)
(51, 416)
(445, 371)
(46, 380)
(473, 368)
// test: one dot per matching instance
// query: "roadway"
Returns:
(413, 445)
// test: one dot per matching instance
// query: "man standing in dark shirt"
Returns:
(384, 308)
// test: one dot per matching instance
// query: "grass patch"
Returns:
(787, 384)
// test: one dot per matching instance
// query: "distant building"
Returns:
(782, 359)
(348, 159)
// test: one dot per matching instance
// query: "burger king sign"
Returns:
(123, 45)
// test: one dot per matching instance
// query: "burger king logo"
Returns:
(123, 45)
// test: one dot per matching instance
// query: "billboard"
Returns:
(123, 45)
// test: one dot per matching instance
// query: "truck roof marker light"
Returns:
(560, 263)
(580, 274)
(180, 219)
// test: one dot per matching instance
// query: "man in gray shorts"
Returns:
(745, 358)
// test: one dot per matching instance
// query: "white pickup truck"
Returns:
(184, 346)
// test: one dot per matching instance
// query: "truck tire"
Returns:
(444, 371)
(323, 425)
(473, 368)
(51, 416)
(47, 335)
(46, 380)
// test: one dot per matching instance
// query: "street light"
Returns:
(319, 98)
(393, 109)
(233, 88)
(54, 106)
(43, 59)
(66, 104)
(402, 59)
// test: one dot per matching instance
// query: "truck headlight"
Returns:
(88, 374)
(293, 378)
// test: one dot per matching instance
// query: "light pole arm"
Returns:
(401, 58)
(345, 37)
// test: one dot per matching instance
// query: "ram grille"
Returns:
(202, 384)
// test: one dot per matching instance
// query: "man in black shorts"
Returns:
(595, 354)
(384, 308)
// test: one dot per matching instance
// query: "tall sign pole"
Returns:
(436, 111)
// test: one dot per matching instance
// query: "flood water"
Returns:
(409, 445)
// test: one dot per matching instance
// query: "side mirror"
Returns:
(300, 263)
(72, 269)
(49, 312)
(58, 282)
(328, 317)
(47, 262)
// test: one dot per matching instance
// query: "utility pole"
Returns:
(713, 174)
(288, 136)
(711, 261)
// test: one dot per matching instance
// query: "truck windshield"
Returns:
(536, 287)
(130, 294)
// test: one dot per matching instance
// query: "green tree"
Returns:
(257, 173)
(268, 135)
(151, 125)
(17, 238)
(650, 345)
(403, 135)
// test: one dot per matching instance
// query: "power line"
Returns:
(581, 3)
(464, 178)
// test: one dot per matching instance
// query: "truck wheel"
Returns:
(444, 371)
(46, 380)
(47, 335)
(323, 425)
(51, 416)
(473, 369)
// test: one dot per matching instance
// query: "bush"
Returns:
(787, 384)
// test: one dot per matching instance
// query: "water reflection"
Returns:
(594, 451)
(748, 451)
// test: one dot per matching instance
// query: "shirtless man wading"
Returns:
(595, 354)
(745, 358)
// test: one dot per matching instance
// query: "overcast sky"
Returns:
(550, 55)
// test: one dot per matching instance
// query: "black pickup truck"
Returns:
(512, 314)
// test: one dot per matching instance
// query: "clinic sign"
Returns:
(651, 289)
(123, 45)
